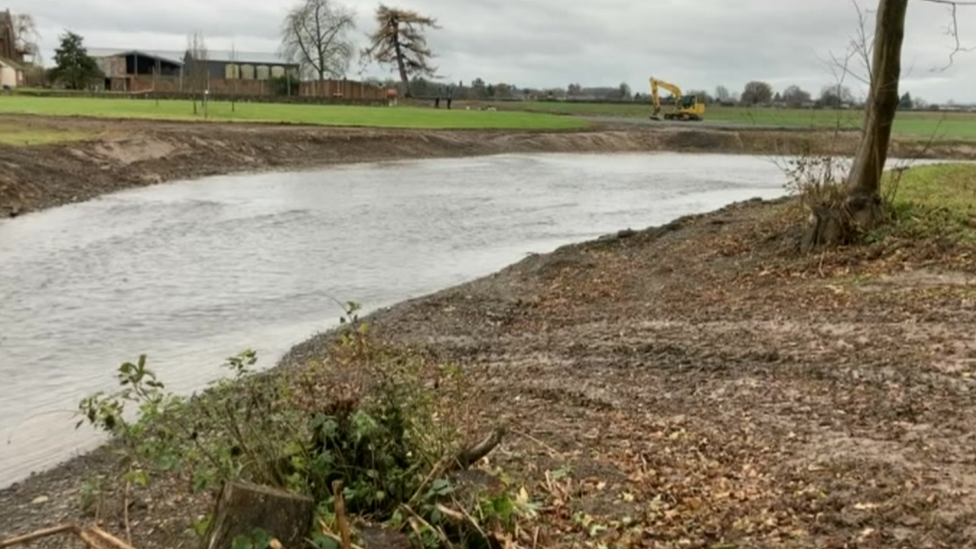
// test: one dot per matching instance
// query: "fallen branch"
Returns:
(40, 534)
(93, 537)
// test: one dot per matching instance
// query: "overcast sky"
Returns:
(539, 43)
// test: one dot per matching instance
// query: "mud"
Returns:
(121, 154)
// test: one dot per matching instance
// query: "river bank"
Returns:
(703, 384)
(100, 156)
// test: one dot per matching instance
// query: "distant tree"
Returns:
(777, 97)
(27, 37)
(74, 68)
(574, 89)
(490, 91)
(796, 97)
(722, 94)
(315, 34)
(906, 103)
(479, 89)
(504, 91)
(920, 103)
(624, 91)
(703, 96)
(399, 40)
(195, 69)
(756, 93)
(834, 96)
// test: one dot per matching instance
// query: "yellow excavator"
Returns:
(686, 107)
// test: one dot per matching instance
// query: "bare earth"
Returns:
(707, 386)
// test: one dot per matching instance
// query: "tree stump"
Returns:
(244, 508)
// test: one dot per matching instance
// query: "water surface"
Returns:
(193, 272)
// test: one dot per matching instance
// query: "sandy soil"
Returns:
(130, 153)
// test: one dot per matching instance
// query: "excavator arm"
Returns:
(655, 84)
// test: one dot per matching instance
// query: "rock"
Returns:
(39, 500)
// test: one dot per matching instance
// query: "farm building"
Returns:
(172, 71)
(244, 66)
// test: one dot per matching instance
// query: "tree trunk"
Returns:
(243, 508)
(864, 181)
(402, 66)
(835, 223)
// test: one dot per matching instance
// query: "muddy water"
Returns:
(193, 272)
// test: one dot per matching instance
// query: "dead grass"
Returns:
(12, 133)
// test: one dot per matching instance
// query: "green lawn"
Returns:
(328, 115)
(937, 200)
(956, 125)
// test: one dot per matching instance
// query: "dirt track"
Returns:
(129, 153)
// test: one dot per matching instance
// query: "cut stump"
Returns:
(244, 508)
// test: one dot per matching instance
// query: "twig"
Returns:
(337, 539)
(552, 451)
(109, 538)
(40, 534)
(437, 469)
(437, 531)
(125, 513)
(340, 511)
(535, 538)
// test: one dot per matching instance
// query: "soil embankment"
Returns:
(121, 154)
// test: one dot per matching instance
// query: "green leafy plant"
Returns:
(385, 422)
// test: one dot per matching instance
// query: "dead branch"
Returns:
(340, 512)
(953, 29)
(92, 537)
(471, 455)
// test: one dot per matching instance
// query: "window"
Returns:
(247, 72)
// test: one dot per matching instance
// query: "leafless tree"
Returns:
(27, 37)
(399, 40)
(722, 94)
(796, 96)
(756, 93)
(195, 68)
(882, 60)
(315, 34)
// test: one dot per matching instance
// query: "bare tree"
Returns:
(756, 93)
(722, 94)
(882, 59)
(399, 39)
(195, 66)
(796, 96)
(27, 37)
(315, 34)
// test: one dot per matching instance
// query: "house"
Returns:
(11, 56)
(11, 74)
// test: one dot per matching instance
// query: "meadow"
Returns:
(325, 115)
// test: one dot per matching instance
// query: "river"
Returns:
(193, 272)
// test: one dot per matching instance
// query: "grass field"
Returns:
(957, 125)
(935, 200)
(326, 115)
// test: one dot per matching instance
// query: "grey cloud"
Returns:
(696, 43)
